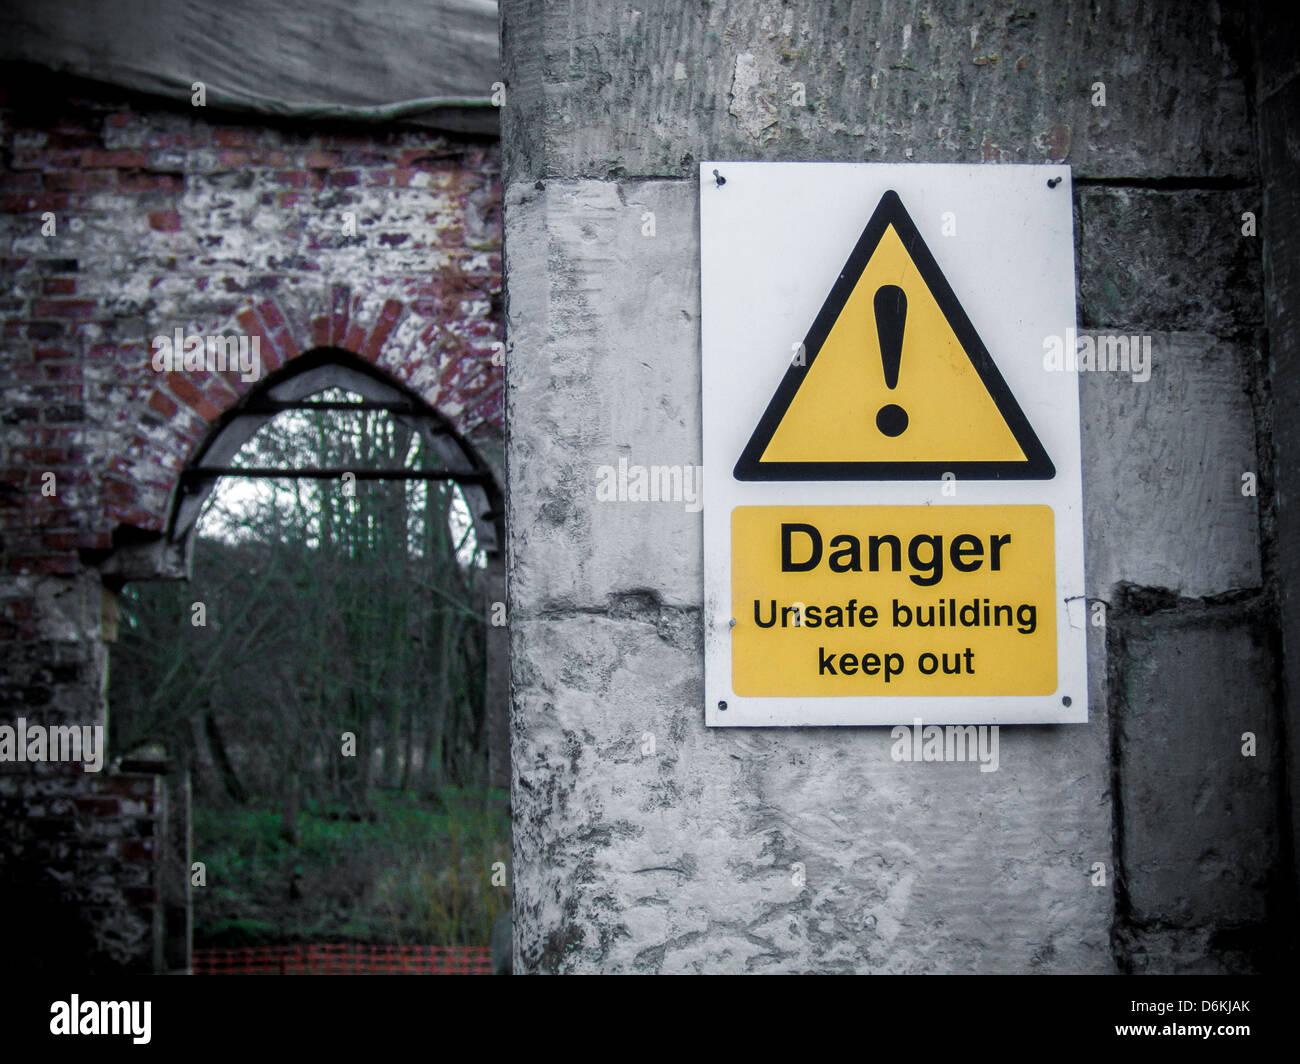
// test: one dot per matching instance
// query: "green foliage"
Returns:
(415, 874)
(331, 609)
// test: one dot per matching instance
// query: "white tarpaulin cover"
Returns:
(431, 62)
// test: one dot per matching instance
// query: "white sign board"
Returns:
(894, 520)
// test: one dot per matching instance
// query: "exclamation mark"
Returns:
(891, 316)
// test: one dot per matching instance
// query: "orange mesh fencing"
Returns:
(345, 959)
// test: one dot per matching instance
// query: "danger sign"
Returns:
(950, 412)
(893, 526)
(879, 600)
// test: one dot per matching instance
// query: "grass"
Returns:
(420, 873)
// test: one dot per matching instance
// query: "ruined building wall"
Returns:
(165, 218)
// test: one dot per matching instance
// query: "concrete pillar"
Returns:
(644, 841)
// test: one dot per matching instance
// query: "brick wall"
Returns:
(80, 861)
(167, 218)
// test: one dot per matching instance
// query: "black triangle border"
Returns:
(889, 211)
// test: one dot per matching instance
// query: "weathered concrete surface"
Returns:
(616, 89)
(683, 860)
(618, 316)
(1173, 261)
(1197, 823)
(1162, 471)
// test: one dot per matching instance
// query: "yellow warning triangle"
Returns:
(892, 381)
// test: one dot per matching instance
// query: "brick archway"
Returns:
(433, 349)
(425, 344)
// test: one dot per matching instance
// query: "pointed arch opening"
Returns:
(305, 729)
(291, 388)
